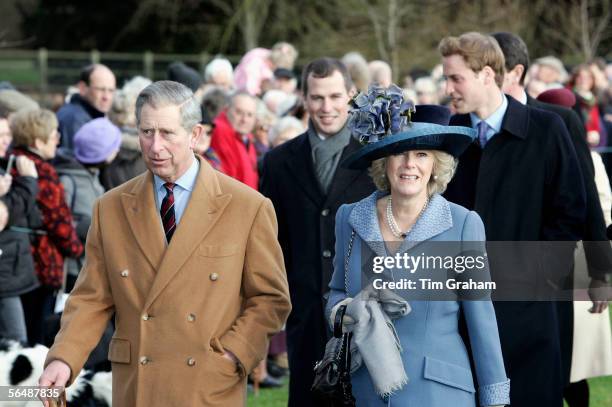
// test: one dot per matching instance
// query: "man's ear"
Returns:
(196, 134)
(489, 74)
(518, 70)
(82, 88)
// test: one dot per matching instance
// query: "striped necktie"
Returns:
(167, 211)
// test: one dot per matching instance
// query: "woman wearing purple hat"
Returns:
(95, 145)
(406, 348)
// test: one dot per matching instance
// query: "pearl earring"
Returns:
(435, 177)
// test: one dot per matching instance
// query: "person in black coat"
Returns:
(19, 215)
(596, 245)
(523, 178)
(307, 185)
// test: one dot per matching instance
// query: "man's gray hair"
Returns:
(240, 93)
(218, 65)
(170, 93)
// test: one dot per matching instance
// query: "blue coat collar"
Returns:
(363, 218)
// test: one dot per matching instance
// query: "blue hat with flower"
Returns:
(386, 125)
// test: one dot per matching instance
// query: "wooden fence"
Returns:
(42, 71)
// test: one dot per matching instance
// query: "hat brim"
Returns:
(421, 136)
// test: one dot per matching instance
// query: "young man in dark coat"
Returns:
(307, 184)
(596, 246)
(523, 178)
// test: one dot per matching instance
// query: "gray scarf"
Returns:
(375, 341)
(326, 154)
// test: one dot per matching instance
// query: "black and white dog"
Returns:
(20, 366)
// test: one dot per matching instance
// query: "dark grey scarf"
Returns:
(326, 154)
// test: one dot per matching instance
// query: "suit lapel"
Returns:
(206, 206)
(301, 166)
(141, 213)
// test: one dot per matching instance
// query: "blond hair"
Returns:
(478, 50)
(27, 126)
(443, 170)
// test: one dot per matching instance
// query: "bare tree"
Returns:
(170, 23)
(246, 16)
(386, 17)
(6, 43)
(581, 26)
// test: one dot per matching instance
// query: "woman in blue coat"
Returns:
(411, 162)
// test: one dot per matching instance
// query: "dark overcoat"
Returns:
(598, 251)
(306, 220)
(526, 185)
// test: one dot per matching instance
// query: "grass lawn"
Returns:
(601, 391)
(270, 397)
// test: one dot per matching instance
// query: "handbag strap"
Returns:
(345, 352)
(338, 321)
(346, 262)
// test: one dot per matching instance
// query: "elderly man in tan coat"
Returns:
(188, 260)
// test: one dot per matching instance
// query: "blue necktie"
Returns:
(483, 128)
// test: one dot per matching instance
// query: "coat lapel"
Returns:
(516, 119)
(435, 220)
(206, 206)
(301, 166)
(343, 177)
(143, 218)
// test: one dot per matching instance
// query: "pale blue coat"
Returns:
(434, 354)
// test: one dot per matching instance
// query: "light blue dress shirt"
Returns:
(182, 190)
(494, 120)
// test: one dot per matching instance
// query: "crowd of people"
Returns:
(537, 168)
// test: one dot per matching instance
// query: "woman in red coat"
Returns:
(582, 83)
(35, 135)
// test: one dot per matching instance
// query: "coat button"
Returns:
(191, 362)
(191, 317)
(144, 360)
(125, 273)
(325, 212)
(146, 317)
(214, 276)
(326, 254)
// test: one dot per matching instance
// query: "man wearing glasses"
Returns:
(95, 98)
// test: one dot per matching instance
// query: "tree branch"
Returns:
(600, 29)
(380, 42)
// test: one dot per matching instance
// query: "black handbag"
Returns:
(332, 381)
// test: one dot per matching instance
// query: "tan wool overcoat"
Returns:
(220, 285)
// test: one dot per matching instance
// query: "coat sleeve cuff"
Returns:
(495, 394)
(242, 350)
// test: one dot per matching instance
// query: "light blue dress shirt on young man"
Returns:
(494, 121)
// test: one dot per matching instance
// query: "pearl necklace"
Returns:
(395, 230)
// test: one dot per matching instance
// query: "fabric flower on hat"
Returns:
(379, 113)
